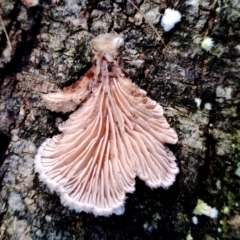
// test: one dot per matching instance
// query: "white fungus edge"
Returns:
(65, 199)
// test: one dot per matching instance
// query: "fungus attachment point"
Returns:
(118, 133)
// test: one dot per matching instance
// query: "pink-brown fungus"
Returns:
(116, 134)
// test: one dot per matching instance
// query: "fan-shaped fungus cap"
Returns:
(117, 134)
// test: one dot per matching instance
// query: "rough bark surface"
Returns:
(50, 50)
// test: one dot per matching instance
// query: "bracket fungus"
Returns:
(116, 134)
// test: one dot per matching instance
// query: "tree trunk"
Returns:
(198, 89)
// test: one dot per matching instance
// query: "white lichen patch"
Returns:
(237, 47)
(28, 201)
(7, 52)
(190, 127)
(25, 169)
(237, 172)
(192, 2)
(218, 184)
(193, 7)
(170, 18)
(20, 146)
(208, 106)
(203, 208)
(207, 44)
(29, 147)
(223, 142)
(153, 15)
(198, 102)
(23, 166)
(73, 6)
(15, 202)
(48, 218)
(149, 12)
(224, 92)
(14, 134)
(195, 220)
(226, 210)
(189, 236)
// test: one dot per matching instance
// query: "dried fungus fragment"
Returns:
(117, 133)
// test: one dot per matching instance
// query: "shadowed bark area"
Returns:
(50, 50)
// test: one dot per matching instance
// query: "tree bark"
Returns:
(199, 91)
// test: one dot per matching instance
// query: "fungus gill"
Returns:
(116, 134)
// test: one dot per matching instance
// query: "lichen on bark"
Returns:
(51, 50)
